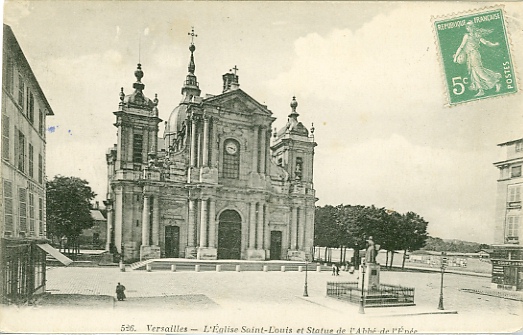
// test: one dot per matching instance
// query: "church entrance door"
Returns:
(276, 244)
(172, 241)
(229, 235)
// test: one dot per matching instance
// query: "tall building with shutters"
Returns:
(507, 256)
(220, 184)
(24, 111)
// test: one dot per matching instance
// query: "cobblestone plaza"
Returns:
(261, 299)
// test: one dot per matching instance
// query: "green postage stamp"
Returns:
(475, 54)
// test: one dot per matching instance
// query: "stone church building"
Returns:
(221, 184)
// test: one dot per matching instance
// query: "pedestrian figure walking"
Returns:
(120, 292)
(333, 269)
(337, 270)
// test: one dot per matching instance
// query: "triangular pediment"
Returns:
(238, 101)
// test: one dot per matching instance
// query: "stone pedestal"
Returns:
(255, 254)
(191, 252)
(149, 252)
(207, 253)
(372, 276)
(296, 255)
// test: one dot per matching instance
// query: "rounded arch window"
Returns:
(231, 159)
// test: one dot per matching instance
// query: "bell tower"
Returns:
(293, 150)
(137, 122)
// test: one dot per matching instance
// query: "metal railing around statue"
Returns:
(383, 296)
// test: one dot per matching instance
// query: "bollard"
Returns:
(122, 266)
(238, 268)
(197, 268)
(173, 268)
(218, 268)
(265, 268)
(148, 267)
(283, 268)
(342, 268)
(300, 268)
(318, 268)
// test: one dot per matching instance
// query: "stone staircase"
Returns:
(182, 264)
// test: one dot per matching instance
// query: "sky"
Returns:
(367, 74)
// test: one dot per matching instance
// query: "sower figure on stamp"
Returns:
(481, 78)
(120, 292)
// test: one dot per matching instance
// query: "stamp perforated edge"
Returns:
(446, 93)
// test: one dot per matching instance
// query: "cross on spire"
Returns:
(235, 69)
(192, 34)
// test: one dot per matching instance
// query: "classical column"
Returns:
(205, 141)
(214, 145)
(145, 220)
(252, 226)
(293, 228)
(118, 219)
(109, 226)
(193, 141)
(262, 151)
(203, 224)
(260, 223)
(267, 234)
(191, 225)
(255, 149)
(267, 151)
(156, 221)
(301, 219)
(212, 223)
(119, 144)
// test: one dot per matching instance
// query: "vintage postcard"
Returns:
(261, 167)
(475, 52)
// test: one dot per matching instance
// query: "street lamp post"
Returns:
(362, 297)
(305, 291)
(443, 263)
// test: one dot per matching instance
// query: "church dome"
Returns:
(177, 120)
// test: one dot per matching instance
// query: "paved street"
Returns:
(259, 299)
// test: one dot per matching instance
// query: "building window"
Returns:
(231, 159)
(40, 216)
(299, 168)
(9, 75)
(31, 213)
(41, 124)
(514, 193)
(280, 162)
(519, 146)
(512, 226)
(31, 108)
(8, 205)
(515, 171)
(22, 200)
(5, 137)
(21, 90)
(40, 169)
(31, 160)
(20, 150)
(137, 148)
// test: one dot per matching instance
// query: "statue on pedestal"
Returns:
(370, 254)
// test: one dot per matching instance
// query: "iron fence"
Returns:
(382, 296)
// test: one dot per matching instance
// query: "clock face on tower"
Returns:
(231, 147)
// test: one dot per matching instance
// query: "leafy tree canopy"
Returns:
(68, 207)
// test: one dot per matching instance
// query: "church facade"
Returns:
(220, 184)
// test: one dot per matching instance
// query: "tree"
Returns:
(68, 208)
(413, 233)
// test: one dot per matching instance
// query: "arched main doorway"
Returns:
(229, 235)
